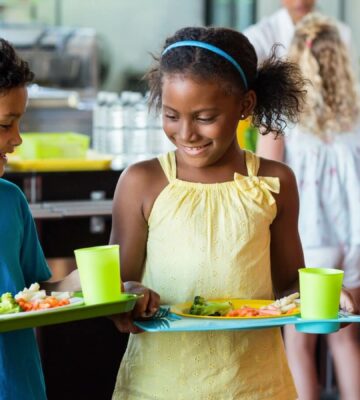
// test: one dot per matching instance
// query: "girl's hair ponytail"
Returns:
(225, 55)
(280, 93)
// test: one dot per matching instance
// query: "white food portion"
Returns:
(34, 293)
(285, 303)
(62, 295)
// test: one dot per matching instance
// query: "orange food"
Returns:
(268, 311)
(244, 311)
(42, 304)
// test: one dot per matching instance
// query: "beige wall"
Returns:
(130, 29)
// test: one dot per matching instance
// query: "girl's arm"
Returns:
(271, 147)
(129, 226)
(134, 195)
(286, 250)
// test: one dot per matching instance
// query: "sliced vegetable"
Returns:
(285, 305)
(42, 304)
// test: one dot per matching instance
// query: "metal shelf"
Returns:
(67, 209)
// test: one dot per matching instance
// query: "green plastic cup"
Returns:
(99, 271)
(320, 292)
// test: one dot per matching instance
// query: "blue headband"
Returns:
(212, 48)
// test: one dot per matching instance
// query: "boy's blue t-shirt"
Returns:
(22, 263)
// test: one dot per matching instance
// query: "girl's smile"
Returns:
(196, 150)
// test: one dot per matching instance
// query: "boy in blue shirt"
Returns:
(22, 261)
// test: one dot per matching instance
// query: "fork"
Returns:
(161, 312)
(346, 314)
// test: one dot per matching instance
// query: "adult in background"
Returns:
(279, 28)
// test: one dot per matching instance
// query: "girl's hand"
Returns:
(347, 302)
(145, 307)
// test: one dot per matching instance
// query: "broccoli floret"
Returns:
(198, 300)
(6, 297)
(209, 308)
(8, 304)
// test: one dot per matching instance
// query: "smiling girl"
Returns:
(210, 219)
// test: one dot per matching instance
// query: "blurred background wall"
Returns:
(128, 30)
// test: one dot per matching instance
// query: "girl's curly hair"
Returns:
(14, 71)
(278, 85)
(332, 103)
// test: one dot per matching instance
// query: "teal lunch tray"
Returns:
(75, 311)
(175, 323)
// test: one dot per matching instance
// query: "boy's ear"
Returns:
(248, 104)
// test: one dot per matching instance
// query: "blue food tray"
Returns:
(176, 323)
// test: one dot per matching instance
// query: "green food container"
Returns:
(53, 145)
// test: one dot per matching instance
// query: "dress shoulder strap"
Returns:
(259, 188)
(168, 164)
(252, 163)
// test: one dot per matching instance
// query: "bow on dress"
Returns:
(259, 188)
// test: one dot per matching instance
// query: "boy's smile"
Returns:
(12, 107)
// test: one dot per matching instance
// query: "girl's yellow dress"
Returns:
(211, 240)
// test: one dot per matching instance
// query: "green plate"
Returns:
(75, 311)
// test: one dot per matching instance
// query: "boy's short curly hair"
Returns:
(278, 84)
(14, 71)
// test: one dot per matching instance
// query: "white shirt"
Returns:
(279, 28)
(328, 176)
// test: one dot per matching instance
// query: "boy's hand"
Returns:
(70, 283)
(145, 307)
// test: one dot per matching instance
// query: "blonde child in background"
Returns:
(22, 261)
(324, 153)
(209, 219)
(279, 28)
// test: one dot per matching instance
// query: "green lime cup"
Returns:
(99, 271)
(320, 292)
